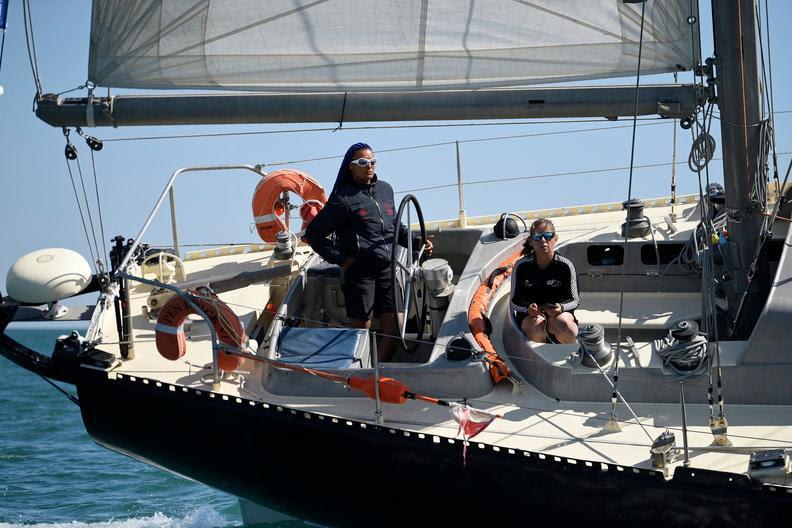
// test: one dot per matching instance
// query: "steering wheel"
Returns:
(407, 272)
(167, 267)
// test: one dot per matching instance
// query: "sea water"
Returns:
(53, 475)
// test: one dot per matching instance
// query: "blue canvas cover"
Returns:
(323, 347)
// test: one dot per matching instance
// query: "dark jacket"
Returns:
(557, 283)
(363, 219)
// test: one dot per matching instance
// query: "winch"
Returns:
(283, 246)
(593, 348)
(637, 225)
(437, 275)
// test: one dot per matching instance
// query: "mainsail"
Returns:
(382, 45)
(310, 61)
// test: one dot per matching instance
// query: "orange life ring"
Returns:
(269, 190)
(477, 311)
(170, 339)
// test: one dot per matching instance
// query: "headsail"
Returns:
(384, 45)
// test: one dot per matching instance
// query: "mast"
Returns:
(739, 101)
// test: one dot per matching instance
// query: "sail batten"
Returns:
(387, 45)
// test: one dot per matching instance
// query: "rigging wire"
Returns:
(673, 167)
(82, 216)
(2, 47)
(71, 397)
(554, 175)
(88, 210)
(704, 153)
(709, 307)
(616, 355)
(370, 127)
(31, 46)
(769, 61)
(767, 130)
(99, 206)
(475, 140)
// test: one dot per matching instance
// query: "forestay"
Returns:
(381, 45)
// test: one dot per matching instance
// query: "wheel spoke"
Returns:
(406, 270)
(402, 266)
(406, 305)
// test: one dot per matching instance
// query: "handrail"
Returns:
(258, 169)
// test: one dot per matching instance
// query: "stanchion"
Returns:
(375, 363)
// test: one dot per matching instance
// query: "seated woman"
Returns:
(544, 290)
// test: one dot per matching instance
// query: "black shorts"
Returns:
(368, 292)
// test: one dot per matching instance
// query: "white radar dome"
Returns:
(48, 275)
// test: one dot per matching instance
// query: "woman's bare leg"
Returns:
(563, 327)
(533, 328)
(386, 344)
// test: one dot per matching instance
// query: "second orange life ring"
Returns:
(269, 190)
(170, 339)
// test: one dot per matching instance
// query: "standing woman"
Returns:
(544, 290)
(361, 213)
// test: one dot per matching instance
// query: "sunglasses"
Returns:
(548, 235)
(365, 162)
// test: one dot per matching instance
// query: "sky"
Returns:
(38, 209)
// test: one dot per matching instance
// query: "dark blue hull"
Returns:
(345, 473)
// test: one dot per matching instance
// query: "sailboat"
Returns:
(236, 366)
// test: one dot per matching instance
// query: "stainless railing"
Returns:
(168, 191)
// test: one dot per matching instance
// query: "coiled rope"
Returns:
(703, 148)
(684, 358)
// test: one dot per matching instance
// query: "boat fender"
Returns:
(268, 193)
(170, 339)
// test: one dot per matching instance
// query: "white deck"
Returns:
(531, 421)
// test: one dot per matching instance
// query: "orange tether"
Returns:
(268, 192)
(390, 390)
(478, 309)
(170, 339)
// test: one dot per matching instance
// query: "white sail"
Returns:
(364, 45)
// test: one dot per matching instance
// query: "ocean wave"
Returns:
(203, 517)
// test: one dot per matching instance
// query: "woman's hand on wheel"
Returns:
(428, 247)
